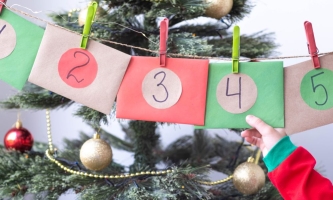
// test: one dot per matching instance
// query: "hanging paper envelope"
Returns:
(309, 95)
(19, 43)
(91, 77)
(175, 93)
(164, 89)
(257, 90)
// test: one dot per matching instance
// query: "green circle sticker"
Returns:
(317, 89)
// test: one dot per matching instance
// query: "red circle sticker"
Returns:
(77, 68)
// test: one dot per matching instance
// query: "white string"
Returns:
(35, 12)
(144, 35)
(148, 50)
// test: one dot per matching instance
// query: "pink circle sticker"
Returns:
(77, 68)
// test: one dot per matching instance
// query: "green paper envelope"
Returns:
(267, 79)
(16, 67)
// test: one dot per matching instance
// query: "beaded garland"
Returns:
(50, 151)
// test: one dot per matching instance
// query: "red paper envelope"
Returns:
(136, 100)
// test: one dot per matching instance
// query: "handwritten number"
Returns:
(319, 85)
(161, 84)
(70, 72)
(3, 28)
(239, 92)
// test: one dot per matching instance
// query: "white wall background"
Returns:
(283, 17)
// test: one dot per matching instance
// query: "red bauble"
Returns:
(18, 138)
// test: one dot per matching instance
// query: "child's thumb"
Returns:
(258, 124)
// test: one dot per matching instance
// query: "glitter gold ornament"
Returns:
(95, 154)
(249, 177)
(218, 8)
(83, 16)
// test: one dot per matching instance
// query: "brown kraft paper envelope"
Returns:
(101, 92)
(299, 116)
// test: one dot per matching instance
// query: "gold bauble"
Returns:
(249, 178)
(95, 154)
(83, 16)
(218, 8)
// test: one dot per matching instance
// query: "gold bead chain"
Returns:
(48, 124)
(215, 182)
(50, 151)
(106, 176)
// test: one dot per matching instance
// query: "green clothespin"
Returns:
(87, 26)
(235, 50)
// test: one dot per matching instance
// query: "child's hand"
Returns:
(262, 135)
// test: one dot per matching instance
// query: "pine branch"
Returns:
(203, 31)
(20, 174)
(178, 151)
(183, 43)
(146, 139)
(35, 97)
(180, 10)
(91, 116)
(227, 191)
(37, 101)
(239, 10)
(259, 44)
(202, 148)
(199, 149)
(116, 142)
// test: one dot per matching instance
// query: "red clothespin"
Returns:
(2, 4)
(313, 50)
(164, 26)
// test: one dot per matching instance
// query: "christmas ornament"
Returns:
(83, 16)
(95, 154)
(218, 8)
(248, 177)
(18, 138)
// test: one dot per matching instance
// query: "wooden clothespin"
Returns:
(312, 48)
(235, 50)
(2, 4)
(91, 13)
(164, 26)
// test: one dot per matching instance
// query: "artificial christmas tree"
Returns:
(133, 28)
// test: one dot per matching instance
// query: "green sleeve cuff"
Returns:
(279, 153)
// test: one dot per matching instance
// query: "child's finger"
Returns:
(251, 133)
(253, 140)
(258, 124)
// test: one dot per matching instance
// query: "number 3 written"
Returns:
(161, 84)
